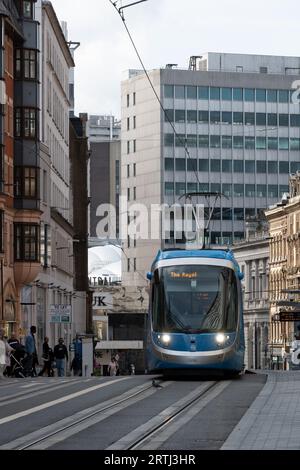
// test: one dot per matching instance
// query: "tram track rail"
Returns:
(152, 434)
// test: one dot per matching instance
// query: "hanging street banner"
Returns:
(60, 313)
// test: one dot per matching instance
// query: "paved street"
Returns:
(116, 412)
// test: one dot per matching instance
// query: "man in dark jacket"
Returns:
(60, 353)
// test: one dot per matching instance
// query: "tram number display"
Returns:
(183, 275)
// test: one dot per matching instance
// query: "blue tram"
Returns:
(195, 320)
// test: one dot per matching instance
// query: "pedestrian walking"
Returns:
(5, 350)
(30, 349)
(60, 354)
(112, 367)
(47, 357)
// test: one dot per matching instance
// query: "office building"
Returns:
(236, 115)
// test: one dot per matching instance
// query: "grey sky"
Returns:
(168, 31)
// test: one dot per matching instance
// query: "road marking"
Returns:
(44, 406)
(46, 388)
(30, 385)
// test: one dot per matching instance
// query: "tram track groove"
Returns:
(145, 436)
(57, 432)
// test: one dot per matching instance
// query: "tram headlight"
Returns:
(165, 339)
(221, 338)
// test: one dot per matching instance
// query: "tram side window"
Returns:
(232, 305)
(157, 302)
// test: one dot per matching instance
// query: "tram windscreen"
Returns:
(194, 299)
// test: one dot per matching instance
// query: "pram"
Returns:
(21, 363)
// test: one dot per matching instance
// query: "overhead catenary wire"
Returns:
(121, 14)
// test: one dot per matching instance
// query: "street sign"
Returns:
(60, 313)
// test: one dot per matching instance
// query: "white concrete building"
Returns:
(252, 254)
(56, 279)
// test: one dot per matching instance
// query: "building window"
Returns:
(27, 242)
(249, 166)
(226, 142)
(237, 94)
(180, 164)
(134, 193)
(128, 146)
(227, 191)
(272, 143)
(249, 119)
(284, 120)
(238, 118)
(203, 164)
(128, 265)
(169, 164)
(250, 190)
(273, 167)
(26, 182)
(134, 98)
(215, 165)
(261, 190)
(128, 194)
(227, 117)
(169, 189)
(134, 264)
(169, 140)
(18, 63)
(239, 214)
(26, 123)
(261, 95)
(1, 231)
(169, 91)
(272, 96)
(134, 122)
(226, 213)
(214, 93)
(238, 190)
(261, 167)
(249, 94)
(191, 92)
(192, 117)
(128, 171)
(169, 115)
(272, 119)
(204, 141)
(203, 92)
(128, 101)
(226, 166)
(27, 10)
(134, 146)
(203, 116)
(29, 64)
(180, 116)
(179, 92)
(226, 94)
(215, 117)
(273, 191)
(238, 166)
(128, 123)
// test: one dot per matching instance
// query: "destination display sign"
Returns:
(183, 275)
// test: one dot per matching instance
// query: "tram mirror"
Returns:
(149, 276)
(241, 276)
